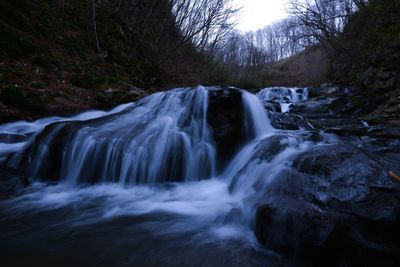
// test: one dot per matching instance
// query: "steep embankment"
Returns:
(308, 68)
(60, 57)
(370, 59)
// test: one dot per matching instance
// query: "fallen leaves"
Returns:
(394, 176)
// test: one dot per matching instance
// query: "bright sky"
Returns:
(256, 14)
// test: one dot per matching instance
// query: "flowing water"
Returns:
(138, 186)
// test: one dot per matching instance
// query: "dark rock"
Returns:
(287, 121)
(225, 116)
(338, 202)
(272, 106)
(384, 131)
(291, 226)
(327, 105)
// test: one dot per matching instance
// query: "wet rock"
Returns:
(338, 202)
(272, 106)
(286, 121)
(349, 112)
(327, 105)
(384, 131)
(225, 117)
(291, 226)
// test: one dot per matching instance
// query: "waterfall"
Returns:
(285, 97)
(156, 159)
(256, 119)
(164, 137)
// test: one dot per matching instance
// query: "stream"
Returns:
(204, 176)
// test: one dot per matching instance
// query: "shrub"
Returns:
(13, 96)
(42, 60)
(87, 79)
(11, 43)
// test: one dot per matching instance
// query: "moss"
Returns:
(19, 4)
(316, 125)
(11, 42)
(38, 85)
(13, 96)
(87, 79)
(42, 60)
(44, 13)
(76, 46)
(313, 93)
(7, 73)
(358, 101)
(16, 97)
(14, 11)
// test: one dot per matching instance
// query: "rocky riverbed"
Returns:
(281, 177)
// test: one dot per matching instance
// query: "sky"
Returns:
(256, 14)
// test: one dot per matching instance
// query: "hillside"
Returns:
(61, 57)
(368, 59)
(308, 68)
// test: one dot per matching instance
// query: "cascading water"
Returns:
(160, 139)
(164, 137)
(285, 97)
(256, 119)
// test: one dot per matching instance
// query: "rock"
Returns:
(384, 131)
(287, 121)
(327, 105)
(338, 202)
(225, 117)
(385, 74)
(291, 226)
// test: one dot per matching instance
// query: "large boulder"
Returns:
(338, 204)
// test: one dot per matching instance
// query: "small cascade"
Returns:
(256, 120)
(14, 136)
(164, 137)
(285, 97)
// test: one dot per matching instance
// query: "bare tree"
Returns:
(324, 19)
(94, 6)
(202, 22)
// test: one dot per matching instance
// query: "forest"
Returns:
(155, 133)
(106, 52)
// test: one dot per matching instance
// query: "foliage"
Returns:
(12, 44)
(15, 96)
(87, 78)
